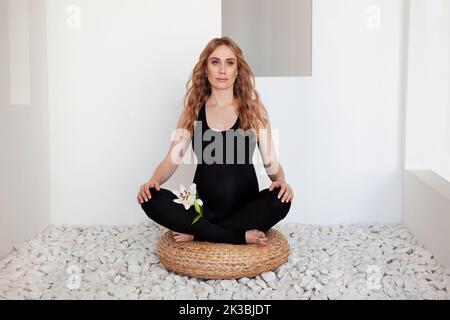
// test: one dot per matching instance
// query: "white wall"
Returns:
(426, 192)
(116, 87)
(428, 114)
(426, 201)
(24, 139)
(341, 128)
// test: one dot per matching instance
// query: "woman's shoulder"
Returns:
(188, 119)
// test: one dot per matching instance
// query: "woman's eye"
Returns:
(230, 62)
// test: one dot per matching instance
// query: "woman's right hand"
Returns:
(144, 194)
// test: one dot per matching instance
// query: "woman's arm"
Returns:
(271, 163)
(279, 176)
(267, 151)
(163, 172)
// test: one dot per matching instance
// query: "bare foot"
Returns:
(181, 237)
(256, 236)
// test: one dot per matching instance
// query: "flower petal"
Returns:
(178, 201)
(182, 188)
(187, 206)
(193, 189)
(199, 201)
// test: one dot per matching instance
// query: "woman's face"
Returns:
(222, 68)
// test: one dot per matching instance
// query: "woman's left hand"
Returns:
(286, 191)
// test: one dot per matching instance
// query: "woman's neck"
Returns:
(221, 98)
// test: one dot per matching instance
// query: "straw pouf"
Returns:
(210, 260)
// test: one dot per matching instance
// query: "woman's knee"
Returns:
(154, 203)
(162, 193)
(277, 206)
(281, 208)
(147, 206)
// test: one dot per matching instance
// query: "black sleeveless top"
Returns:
(225, 175)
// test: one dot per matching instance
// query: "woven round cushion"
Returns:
(210, 260)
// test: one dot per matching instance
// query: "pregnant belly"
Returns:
(225, 188)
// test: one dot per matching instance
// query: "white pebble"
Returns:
(325, 262)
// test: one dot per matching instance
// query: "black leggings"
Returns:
(262, 213)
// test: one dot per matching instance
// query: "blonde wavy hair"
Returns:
(250, 107)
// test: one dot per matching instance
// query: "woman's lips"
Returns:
(222, 79)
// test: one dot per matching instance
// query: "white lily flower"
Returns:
(187, 197)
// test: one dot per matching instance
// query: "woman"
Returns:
(221, 101)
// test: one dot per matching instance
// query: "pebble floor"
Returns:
(326, 262)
